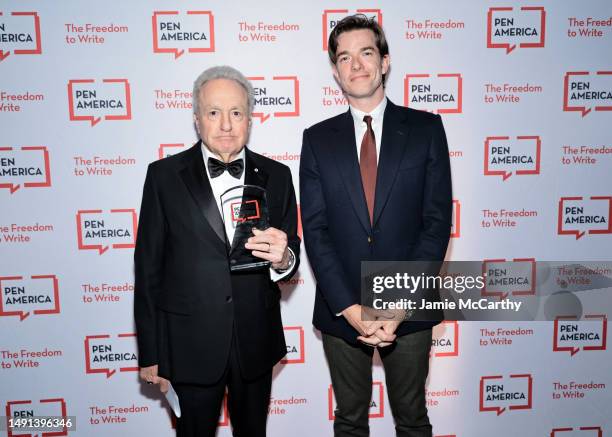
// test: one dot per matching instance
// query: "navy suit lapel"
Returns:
(194, 176)
(345, 150)
(392, 147)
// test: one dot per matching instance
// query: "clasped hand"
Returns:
(379, 331)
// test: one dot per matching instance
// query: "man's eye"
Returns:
(236, 114)
(344, 58)
(213, 114)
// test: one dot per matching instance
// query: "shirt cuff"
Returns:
(276, 276)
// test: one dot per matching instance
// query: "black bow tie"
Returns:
(216, 167)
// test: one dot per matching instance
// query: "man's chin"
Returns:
(221, 150)
(227, 147)
(361, 94)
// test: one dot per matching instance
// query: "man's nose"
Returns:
(226, 122)
(356, 64)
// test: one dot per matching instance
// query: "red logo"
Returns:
(27, 166)
(508, 28)
(19, 34)
(499, 394)
(579, 216)
(97, 230)
(243, 211)
(445, 339)
(377, 403)
(456, 220)
(294, 336)
(441, 94)
(192, 32)
(38, 294)
(166, 150)
(504, 278)
(42, 408)
(583, 431)
(504, 156)
(584, 91)
(279, 96)
(331, 17)
(92, 101)
(572, 335)
(106, 354)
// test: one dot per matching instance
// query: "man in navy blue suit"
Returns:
(375, 184)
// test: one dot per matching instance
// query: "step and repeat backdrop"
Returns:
(91, 92)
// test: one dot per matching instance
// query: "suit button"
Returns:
(228, 299)
(369, 239)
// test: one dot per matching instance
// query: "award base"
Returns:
(250, 266)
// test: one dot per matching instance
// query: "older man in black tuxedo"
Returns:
(201, 326)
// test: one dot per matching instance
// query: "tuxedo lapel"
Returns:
(194, 176)
(254, 174)
(392, 147)
(345, 150)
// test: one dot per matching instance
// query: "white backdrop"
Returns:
(91, 92)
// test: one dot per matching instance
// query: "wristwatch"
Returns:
(289, 264)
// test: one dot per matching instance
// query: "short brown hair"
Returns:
(356, 22)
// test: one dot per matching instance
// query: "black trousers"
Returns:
(406, 365)
(247, 402)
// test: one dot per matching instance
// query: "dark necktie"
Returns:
(367, 165)
(216, 167)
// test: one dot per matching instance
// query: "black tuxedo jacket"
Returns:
(186, 302)
(412, 207)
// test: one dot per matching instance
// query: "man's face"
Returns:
(359, 66)
(223, 121)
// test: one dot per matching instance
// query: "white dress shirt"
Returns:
(361, 127)
(224, 182)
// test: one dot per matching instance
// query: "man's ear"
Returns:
(196, 122)
(386, 63)
(335, 72)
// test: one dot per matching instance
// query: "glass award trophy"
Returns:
(244, 207)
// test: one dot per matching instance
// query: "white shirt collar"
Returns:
(376, 114)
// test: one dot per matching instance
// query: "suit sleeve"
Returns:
(437, 199)
(148, 268)
(324, 260)
(289, 226)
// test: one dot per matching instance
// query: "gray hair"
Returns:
(222, 72)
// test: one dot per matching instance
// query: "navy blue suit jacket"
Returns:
(412, 208)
